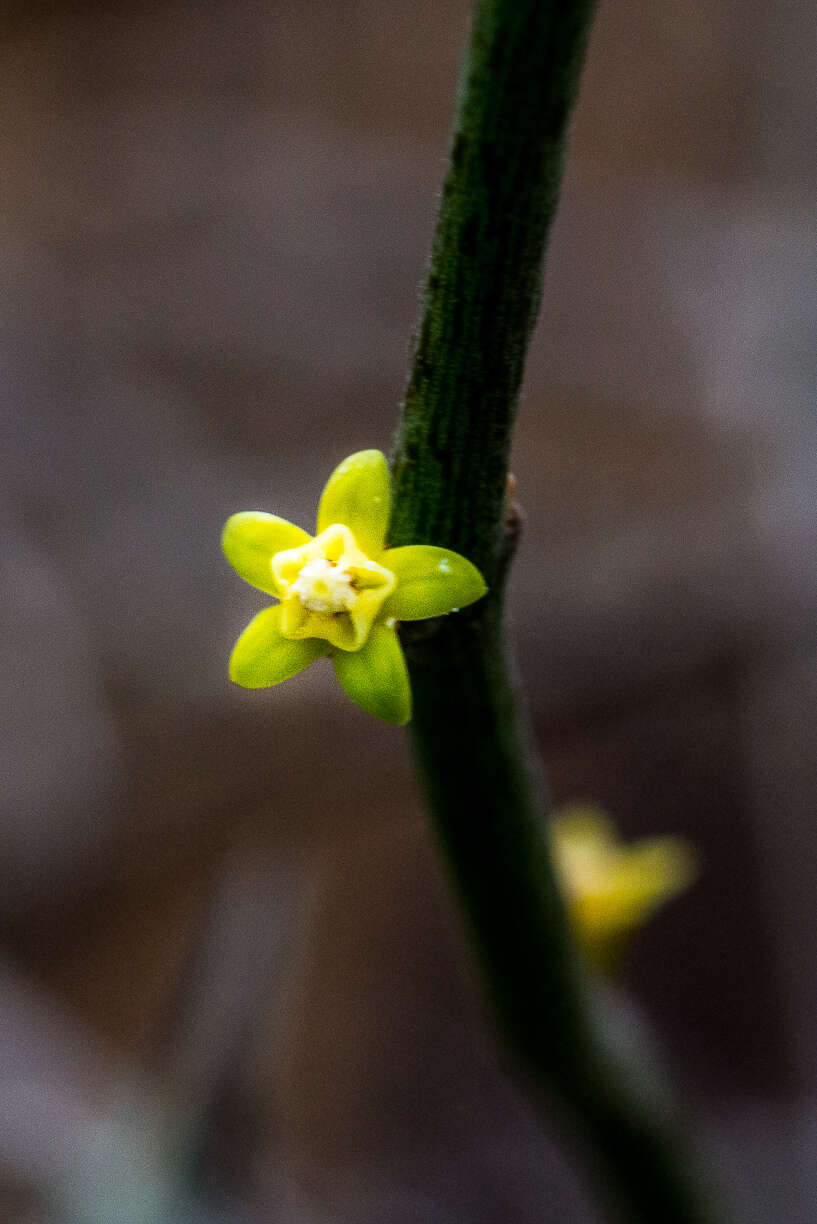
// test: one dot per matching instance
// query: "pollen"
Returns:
(324, 586)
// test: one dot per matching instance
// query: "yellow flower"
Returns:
(610, 888)
(342, 591)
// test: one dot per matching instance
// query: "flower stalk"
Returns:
(450, 470)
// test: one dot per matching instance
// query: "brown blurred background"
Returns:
(233, 985)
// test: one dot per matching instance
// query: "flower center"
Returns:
(322, 586)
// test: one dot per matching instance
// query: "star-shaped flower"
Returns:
(342, 591)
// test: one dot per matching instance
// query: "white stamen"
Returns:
(322, 586)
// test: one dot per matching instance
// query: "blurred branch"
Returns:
(450, 473)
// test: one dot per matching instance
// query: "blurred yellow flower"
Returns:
(611, 888)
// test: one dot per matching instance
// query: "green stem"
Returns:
(482, 293)
(450, 473)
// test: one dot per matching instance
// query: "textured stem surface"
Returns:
(450, 472)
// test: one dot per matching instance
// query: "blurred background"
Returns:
(233, 986)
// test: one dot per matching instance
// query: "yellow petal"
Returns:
(262, 656)
(376, 677)
(430, 582)
(358, 494)
(251, 539)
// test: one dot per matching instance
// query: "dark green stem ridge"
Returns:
(489, 813)
(482, 293)
(450, 473)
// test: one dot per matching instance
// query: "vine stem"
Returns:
(450, 470)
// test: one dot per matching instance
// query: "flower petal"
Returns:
(261, 656)
(648, 874)
(376, 676)
(430, 582)
(252, 538)
(358, 494)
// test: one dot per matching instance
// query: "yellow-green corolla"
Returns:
(612, 888)
(342, 591)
